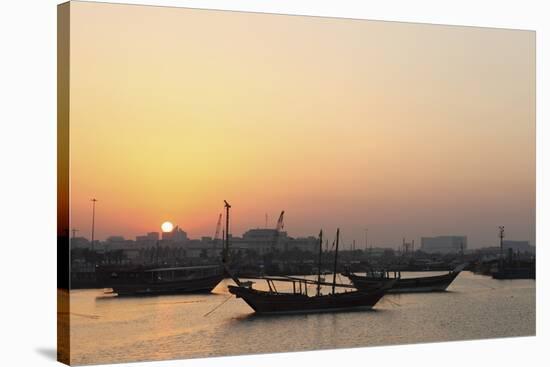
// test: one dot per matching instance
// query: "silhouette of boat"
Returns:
(437, 283)
(270, 302)
(142, 281)
(299, 301)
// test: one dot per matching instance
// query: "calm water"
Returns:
(106, 329)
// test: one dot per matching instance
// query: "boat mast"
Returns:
(226, 245)
(225, 251)
(335, 261)
(319, 266)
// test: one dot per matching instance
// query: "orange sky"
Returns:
(410, 130)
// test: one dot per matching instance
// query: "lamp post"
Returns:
(94, 200)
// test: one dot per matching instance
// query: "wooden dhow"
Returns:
(273, 301)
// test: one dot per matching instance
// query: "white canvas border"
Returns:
(28, 185)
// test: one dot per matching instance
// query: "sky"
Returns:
(406, 129)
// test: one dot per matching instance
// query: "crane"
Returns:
(217, 234)
(278, 228)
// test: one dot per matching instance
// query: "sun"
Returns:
(167, 226)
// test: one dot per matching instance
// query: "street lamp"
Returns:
(93, 200)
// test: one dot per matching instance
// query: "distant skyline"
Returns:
(344, 243)
(406, 129)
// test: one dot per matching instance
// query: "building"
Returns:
(116, 243)
(310, 244)
(114, 239)
(148, 240)
(444, 244)
(149, 237)
(380, 252)
(260, 240)
(176, 247)
(176, 235)
(264, 240)
(518, 246)
(80, 242)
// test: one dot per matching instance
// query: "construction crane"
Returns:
(217, 234)
(280, 223)
(278, 229)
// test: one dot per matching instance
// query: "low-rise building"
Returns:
(444, 244)
(176, 235)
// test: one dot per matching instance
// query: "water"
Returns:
(108, 329)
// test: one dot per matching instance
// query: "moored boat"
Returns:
(437, 283)
(160, 281)
(272, 301)
(299, 301)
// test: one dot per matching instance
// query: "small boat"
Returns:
(299, 301)
(141, 281)
(437, 283)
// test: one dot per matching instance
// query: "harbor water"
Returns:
(106, 328)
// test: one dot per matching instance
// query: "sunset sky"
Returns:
(410, 130)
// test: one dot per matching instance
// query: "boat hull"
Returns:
(438, 283)
(264, 302)
(203, 285)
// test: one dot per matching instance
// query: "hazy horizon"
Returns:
(409, 130)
